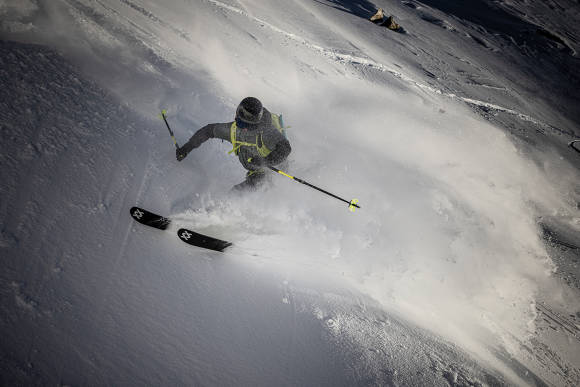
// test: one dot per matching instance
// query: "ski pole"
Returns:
(351, 205)
(163, 116)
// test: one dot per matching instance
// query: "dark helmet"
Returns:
(250, 110)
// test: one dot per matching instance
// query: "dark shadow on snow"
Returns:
(360, 8)
(485, 15)
(495, 19)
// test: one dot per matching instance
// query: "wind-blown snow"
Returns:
(459, 161)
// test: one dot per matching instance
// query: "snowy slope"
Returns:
(452, 136)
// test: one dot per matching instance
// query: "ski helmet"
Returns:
(250, 110)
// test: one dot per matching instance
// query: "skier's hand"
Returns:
(180, 154)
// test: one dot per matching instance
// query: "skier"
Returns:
(257, 136)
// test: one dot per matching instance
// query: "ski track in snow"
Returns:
(182, 34)
(367, 62)
(126, 233)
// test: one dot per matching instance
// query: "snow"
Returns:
(460, 267)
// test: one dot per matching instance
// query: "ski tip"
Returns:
(149, 218)
(134, 211)
(196, 239)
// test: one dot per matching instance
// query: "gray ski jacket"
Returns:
(257, 145)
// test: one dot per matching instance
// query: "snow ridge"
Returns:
(367, 62)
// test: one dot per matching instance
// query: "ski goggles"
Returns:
(248, 117)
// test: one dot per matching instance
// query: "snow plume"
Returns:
(448, 233)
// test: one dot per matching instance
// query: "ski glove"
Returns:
(180, 153)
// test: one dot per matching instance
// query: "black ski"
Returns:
(196, 239)
(193, 238)
(149, 218)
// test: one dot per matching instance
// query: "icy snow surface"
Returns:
(461, 268)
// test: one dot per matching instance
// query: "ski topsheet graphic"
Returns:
(193, 238)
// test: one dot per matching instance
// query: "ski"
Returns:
(196, 239)
(193, 238)
(149, 218)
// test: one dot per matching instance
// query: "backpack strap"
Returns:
(278, 123)
(237, 144)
